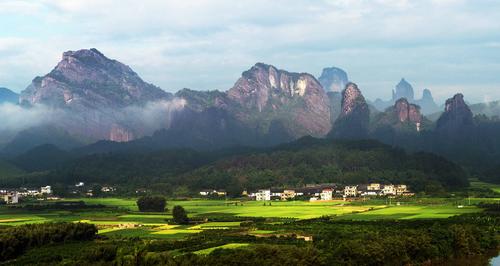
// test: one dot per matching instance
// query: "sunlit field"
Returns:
(126, 221)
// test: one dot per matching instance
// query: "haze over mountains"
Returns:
(89, 98)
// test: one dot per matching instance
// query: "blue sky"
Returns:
(447, 46)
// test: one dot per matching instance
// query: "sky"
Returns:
(448, 46)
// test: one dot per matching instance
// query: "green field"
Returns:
(226, 246)
(126, 221)
(480, 184)
(411, 212)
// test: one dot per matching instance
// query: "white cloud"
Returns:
(16, 118)
(207, 44)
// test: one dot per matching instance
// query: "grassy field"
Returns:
(226, 246)
(411, 212)
(126, 221)
(480, 184)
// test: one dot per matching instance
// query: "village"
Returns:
(320, 192)
(14, 196)
(311, 192)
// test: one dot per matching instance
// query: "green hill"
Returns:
(9, 170)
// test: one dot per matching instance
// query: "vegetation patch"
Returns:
(226, 246)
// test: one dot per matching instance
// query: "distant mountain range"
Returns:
(405, 90)
(8, 96)
(94, 104)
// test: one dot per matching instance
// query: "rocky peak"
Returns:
(352, 100)
(427, 104)
(264, 93)
(92, 93)
(87, 77)
(403, 90)
(354, 115)
(407, 112)
(333, 79)
(457, 114)
(427, 95)
(263, 82)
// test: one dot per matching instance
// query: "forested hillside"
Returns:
(302, 162)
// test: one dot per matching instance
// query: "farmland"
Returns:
(224, 226)
(122, 219)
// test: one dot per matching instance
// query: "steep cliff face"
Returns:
(354, 115)
(408, 112)
(264, 95)
(403, 116)
(457, 116)
(403, 90)
(87, 78)
(333, 79)
(93, 92)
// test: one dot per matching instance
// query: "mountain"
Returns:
(353, 120)
(8, 96)
(333, 79)
(265, 107)
(36, 136)
(43, 157)
(94, 93)
(490, 109)
(403, 90)
(265, 95)
(456, 118)
(403, 116)
(87, 78)
(7, 169)
(427, 103)
(400, 125)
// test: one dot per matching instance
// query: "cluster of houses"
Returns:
(327, 192)
(81, 189)
(12, 196)
(213, 192)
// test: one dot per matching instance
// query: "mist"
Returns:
(141, 120)
(16, 118)
(154, 115)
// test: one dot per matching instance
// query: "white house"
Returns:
(401, 189)
(46, 190)
(373, 186)
(11, 198)
(369, 193)
(327, 194)
(389, 190)
(263, 194)
(288, 194)
(107, 189)
(79, 184)
(351, 191)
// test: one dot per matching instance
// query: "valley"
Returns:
(232, 224)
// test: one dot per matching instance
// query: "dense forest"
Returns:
(14, 241)
(305, 161)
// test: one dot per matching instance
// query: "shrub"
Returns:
(180, 215)
(151, 204)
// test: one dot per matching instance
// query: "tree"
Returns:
(151, 204)
(180, 215)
